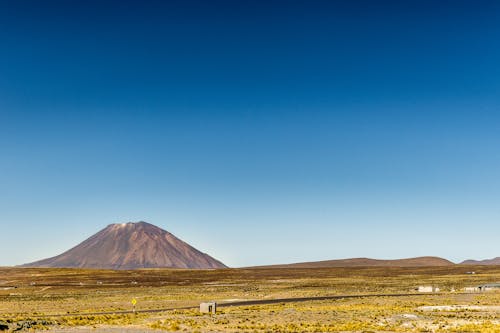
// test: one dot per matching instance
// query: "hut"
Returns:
(428, 289)
(208, 307)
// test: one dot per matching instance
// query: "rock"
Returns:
(28, 324)
(3, 326)
(24, 325)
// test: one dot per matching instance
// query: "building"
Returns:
(208, 307)
(489, 287)
(428, 289)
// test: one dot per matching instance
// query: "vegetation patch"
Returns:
(48, 299)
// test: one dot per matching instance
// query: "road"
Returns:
(240, 303)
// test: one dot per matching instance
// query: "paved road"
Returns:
(316, 298)
(105, 330)
(240, 303)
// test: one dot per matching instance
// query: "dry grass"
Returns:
(47, 292)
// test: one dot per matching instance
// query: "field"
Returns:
(72, 300)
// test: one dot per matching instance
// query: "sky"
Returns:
(260, 132)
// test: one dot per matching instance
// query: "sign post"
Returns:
(134, 302)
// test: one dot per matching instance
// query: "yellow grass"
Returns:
(42, 294)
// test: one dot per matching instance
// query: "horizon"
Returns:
(284, 263)
(259, 133)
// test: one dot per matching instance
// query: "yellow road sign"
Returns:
(134, 301)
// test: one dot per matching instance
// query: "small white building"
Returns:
(489, 287)
(428, 289)
(208, 307)
(484, 287)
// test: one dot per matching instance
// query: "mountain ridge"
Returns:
(493, 261)
(368, 262)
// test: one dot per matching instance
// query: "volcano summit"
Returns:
(131, 246)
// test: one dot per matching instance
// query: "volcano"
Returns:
(131, 246)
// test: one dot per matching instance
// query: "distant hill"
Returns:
(367, 262)
(131, 246)
(494, 261)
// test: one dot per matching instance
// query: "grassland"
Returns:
(37, 298)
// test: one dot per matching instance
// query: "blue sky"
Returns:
(260, 132)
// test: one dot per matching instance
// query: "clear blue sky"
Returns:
(258, 131)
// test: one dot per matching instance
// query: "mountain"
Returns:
(367, 262)
(131, 246)
(494, 261)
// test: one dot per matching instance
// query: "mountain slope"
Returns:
(494, 261)
(131, 246)
(367, 262)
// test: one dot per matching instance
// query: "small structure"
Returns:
(428, 289)
(489, 287)
(208, 307)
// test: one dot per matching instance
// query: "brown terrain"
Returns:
(367, 262)
(494, 261)
(131, 246)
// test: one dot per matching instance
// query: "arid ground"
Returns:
(74, 300)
